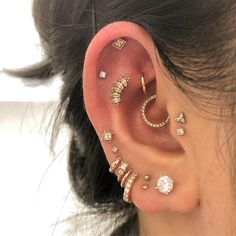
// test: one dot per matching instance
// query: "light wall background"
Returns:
(34, 188)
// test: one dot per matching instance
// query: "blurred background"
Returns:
(35, 192)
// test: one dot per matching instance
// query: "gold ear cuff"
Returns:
(157, 125)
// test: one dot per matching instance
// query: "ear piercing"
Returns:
(180, 119)
(128, 187)
(114, 165)
(107, 136)
(146, 186)
(158, 125)
(102, 74)
(143, 84)
(118, 89)
(164, 184)
(115, 149)
(119, 43)
(122, 169)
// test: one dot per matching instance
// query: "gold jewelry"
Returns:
(122, 184)
(146, 186)
(107, 136)
(180, 131)
(158, 125)
(164, 184)
(119, 43)
(143, 84)
(117, 90)
(122, 169)
(128, 187)
(181, 118)
(114, 165)
(115, 149)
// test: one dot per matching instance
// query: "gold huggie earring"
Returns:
(143, 84)
(117, 90)
(128, 187)
(158, 125)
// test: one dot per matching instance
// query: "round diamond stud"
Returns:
(164, 184)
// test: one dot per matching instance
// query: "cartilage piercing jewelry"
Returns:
(122, 169)
(158, 125)
(128, 187)
(117, 90)
(119, 43)
(164, 184)
(181, 118)
(115, 149)
(143, 84)
(180, 131)
(122, 183)
(114, 165)
(102, 74)
(107, 136)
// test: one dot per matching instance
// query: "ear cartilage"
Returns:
(124, 178)
(107, 136)
(181, 118)
(122, 169)
(158, 125)
(115, 149)
(114, 165)
(117, 90)
(180, 131)
(164, 184)
(128, 187)
(103, 74)
(119, 43)
(143, 84)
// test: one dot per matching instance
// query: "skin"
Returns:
(201, 201)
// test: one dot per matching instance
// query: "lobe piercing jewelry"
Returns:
(164, 184)
(117, 90)
(181, 118)
(180, 131)
(122, 169)
(158, 125)
(114, 165)
(147, 177)
(102, 74)
(119, 43)
(143, 84)
(128, 187)
(107, 136)
(146, 186)
(122, 184)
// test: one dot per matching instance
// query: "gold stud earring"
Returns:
(107, 136)
(146, 186)
(180, 131)
(119, 43)
(117, 90)
(181, 118)
(158, 125)
(164, 184)
(115, 149)
(128, 187)
(143, 84)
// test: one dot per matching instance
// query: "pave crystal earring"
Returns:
(157, 125)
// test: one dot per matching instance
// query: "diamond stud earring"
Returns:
(119, 43)
(107, 136)
(102, 74)
(158, 125)
(164, 184)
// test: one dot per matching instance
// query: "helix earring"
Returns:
(164, 184)
(143, 84)
(119, 43)
(158, 125)
(180, 119)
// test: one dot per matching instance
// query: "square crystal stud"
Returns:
(107, 136)
(180, 131)
(103, 74)
(119, 44)
(115, 149)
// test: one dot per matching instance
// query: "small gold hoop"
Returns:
(143, 84)
(158, 125)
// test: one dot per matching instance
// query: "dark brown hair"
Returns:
(196, 41)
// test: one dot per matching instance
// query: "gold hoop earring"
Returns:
(158, 125)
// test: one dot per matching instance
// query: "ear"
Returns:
(149, 151)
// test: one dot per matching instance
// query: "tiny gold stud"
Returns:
(147, 177)
(145, 187)
(107, 136)
(181, 118)
(180, 131)
(115, 149)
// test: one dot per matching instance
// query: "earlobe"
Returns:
(126, 100)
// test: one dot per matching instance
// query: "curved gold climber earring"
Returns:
(157, 125)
